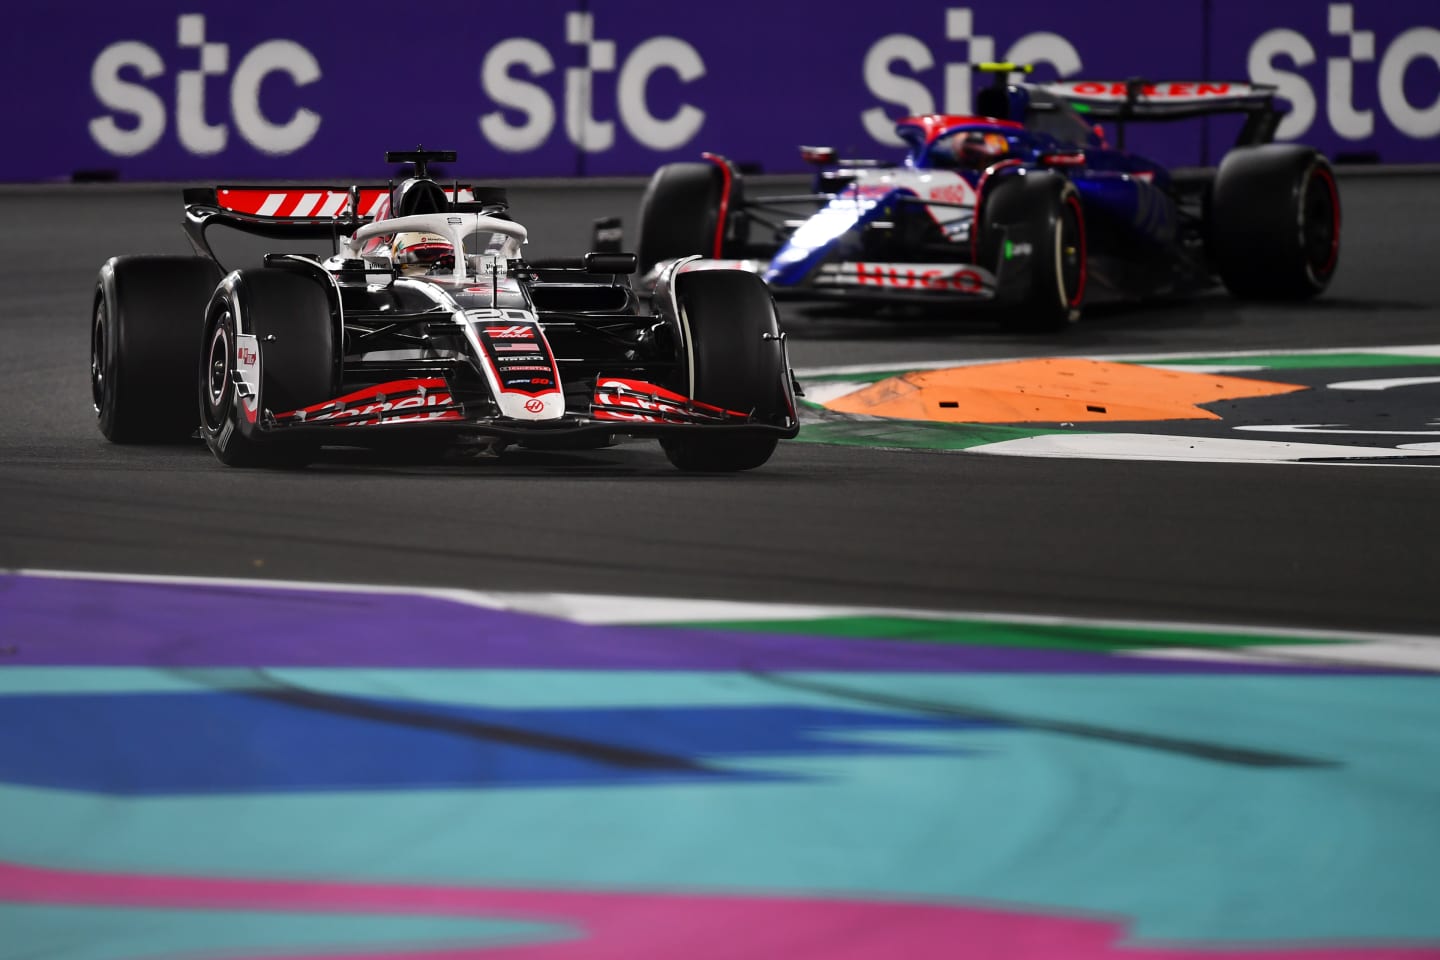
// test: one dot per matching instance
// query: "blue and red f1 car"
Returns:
(1027, 205)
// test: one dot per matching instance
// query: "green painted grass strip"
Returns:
(1318, 361)
(912, 434)
(992, 634)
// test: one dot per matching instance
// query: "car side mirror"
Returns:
(610, 262)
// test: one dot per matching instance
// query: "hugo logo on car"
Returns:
(916, 277)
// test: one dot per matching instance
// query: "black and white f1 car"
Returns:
(406, 337)
(1026, 205)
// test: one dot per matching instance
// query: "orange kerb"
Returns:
(1052, 390)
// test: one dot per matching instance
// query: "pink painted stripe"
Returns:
(630, 926)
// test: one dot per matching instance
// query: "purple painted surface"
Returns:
(47, 621)
(272, 90)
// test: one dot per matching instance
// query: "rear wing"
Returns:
(299, 203)
(1140, 100)
(305, 212)
(1175, 100)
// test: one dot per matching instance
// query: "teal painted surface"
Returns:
(1189, 849)
(104, 933)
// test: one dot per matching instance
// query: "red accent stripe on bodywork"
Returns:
(724, 211)
(619, 398)
(994, 168)
(1325, 173)
(425, 397)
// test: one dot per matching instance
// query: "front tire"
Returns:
(1041, 212)
(145, 328)
(739, 365)
(680, 213)
(290, 314)
(1275, 222)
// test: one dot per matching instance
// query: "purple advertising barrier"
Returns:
(180, 91)
(1363, 78)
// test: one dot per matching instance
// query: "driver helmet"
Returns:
(975, 148)
(422, 252)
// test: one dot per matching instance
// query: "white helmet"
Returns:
(422, 252)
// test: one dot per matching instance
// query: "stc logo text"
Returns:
(522, 118)
(146, 109)
(583, 129)
(893, 64)
(1366, 66)
(1362, 82)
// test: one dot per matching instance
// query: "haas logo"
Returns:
(535, 405)
(510, 333)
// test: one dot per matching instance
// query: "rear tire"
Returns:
(296, 366)
(1044, 211)
(145, 335)
(1275, 222)
(680, 213)
(739, 365)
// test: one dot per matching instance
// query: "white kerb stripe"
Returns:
(271, 205)
(332, 205)
(306, 204)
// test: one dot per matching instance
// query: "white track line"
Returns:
(603, 609)
(1413, 350)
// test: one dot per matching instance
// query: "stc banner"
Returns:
(179, 90)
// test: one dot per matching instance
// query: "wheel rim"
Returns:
(217, 372)
(1070, 252)
(97, 360)
(1320, 224)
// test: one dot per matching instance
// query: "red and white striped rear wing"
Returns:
(304, 203)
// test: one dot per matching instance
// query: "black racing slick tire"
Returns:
(739, 365)
(680, 213)
(290, 315)
(1275, 222)
(1032, 234)
(145, 329)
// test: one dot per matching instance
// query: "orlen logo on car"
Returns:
(893, 63)
(138, 114)
(1385, 64)
(506, 61)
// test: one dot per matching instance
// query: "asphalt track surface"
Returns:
(1346, 547)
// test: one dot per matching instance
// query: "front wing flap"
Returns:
(618, 405)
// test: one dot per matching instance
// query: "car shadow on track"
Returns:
(625, 461)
